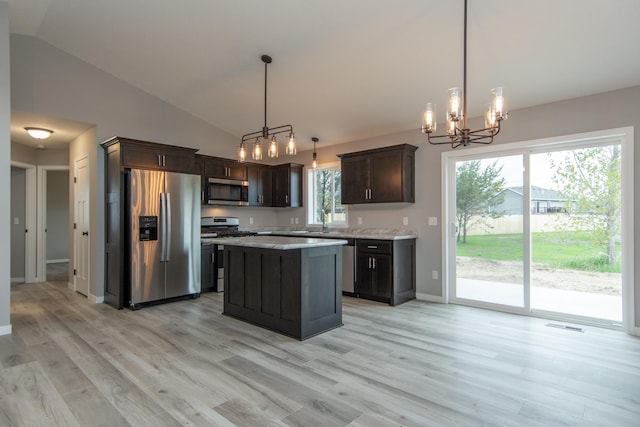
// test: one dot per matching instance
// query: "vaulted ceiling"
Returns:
(343, 69)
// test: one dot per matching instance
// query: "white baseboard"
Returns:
(430, 298)
(17, 279)
(96, 300)
(5, 329)
(55, 261)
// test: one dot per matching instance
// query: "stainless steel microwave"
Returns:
(222, 191)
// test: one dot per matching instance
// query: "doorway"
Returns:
(539, 228)
(56, 222)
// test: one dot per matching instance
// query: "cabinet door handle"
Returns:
(374, 262)
(369, 263)
(159, 160)
(286, 198)
(212, 258)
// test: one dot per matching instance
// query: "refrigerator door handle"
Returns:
(167, 255)
(163, 227)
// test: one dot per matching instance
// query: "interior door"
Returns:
(82, 226)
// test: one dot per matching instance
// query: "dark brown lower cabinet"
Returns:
(296, 292)
(386, 270)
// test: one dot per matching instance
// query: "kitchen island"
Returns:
(292, 285)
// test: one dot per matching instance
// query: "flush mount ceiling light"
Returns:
(456, 118)
(267, 134)
(314, 164)
(38, 133)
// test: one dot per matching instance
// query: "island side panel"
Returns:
(263, 287)
(297, 292)
(322, 292)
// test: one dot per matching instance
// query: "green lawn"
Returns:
(570, 250)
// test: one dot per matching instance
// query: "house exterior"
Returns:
(543, 201)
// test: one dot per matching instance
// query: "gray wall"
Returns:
(592, 113)
(48, 81)
(57, 215)
(34, 156)
(5, 168)
(18, 199)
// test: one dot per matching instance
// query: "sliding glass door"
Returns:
(489, 226)
(540, 229)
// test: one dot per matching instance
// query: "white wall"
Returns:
(18, 208)
(5, 169)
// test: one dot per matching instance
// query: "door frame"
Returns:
(624, 136)
(41, 249)
(31, 224)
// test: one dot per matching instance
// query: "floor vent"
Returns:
(570, 328)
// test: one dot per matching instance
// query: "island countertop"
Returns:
(274, 242)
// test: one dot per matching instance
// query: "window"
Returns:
(324, 196)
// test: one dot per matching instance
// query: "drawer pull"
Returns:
(372, 247)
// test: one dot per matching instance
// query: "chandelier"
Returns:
(456, 117)
(267, 135)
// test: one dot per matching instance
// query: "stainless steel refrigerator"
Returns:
(165, 235)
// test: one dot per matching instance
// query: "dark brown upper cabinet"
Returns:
(260, 185)
(217, 167)
(150, 155)
(287, 185)
(381, 175)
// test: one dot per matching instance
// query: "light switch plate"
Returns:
(433, 220)
(250, 220)
(405, 220)
(359, 220)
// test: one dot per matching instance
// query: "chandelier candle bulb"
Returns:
(291, 145)
(454, 103)
(273, 148)
(242, 153)
(490, 119)
(451, 126)
(429, 118)
(499, 103)
(257, 151)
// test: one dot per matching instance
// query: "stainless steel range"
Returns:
(213, 262)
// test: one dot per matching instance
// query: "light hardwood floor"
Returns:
(69, 362)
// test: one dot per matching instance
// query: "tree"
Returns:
(476, 191)
(591, 180)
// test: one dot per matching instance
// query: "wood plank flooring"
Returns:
(71, 363)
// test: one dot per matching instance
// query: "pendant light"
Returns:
(267, 134)
(456, 117)
(314, 164)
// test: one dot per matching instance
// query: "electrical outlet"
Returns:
(405, 220)
(433, 220)
(291, 220)
(250, 220)
(16, 220)
(297, 220)
(434, 274)
(359, 220)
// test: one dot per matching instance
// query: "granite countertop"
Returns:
(274, 242)
(342, 233)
